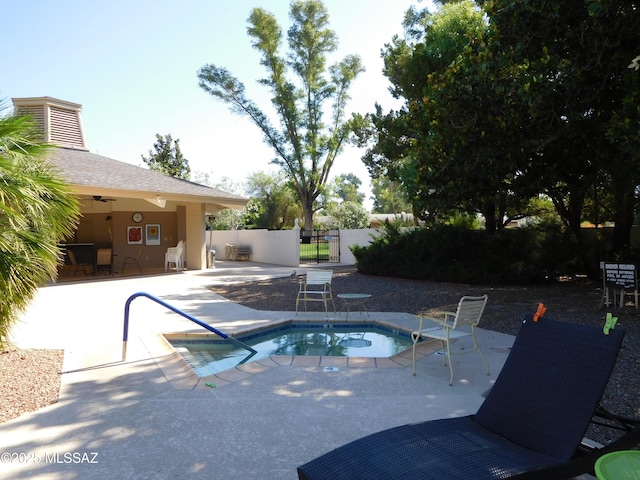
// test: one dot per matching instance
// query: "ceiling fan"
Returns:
(99, 198)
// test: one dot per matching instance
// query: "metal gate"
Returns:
(319, 246)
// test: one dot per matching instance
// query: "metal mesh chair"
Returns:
(133, 261)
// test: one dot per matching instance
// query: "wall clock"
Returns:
(137, 217)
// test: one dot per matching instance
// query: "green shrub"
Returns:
(454, 254)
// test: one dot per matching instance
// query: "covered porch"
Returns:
(128, 212)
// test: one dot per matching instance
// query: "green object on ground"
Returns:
(622, 465)
(210, 385)
(609, 323)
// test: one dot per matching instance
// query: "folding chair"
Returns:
(133, 261)
(82, 266)
(104, 260)
(316, 287)
(468, 313)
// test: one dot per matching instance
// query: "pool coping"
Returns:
(182, 377)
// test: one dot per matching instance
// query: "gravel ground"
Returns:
(30, 379)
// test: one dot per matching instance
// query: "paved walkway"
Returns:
(147, 418)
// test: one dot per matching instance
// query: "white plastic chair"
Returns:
(174, 255)
(318, 284)
(469, 311)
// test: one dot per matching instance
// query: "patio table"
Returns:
(355, 298)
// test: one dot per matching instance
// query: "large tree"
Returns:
(37, 212)
(305, 145)
(581, 97)
(454, 144)
(346, 187)
(536, 99)
(389, 196)
(277, 205)
(167, 158)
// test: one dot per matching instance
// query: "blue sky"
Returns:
(132, 65)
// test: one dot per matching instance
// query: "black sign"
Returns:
(620, 275)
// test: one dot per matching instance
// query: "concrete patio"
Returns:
(147, 418)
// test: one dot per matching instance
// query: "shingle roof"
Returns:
(93, 174)
(82, 168)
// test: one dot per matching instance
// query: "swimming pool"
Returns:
(209, 354)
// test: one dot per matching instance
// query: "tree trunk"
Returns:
(308, 216)
(569, 206)
(490, 224)
(623, 217)
(574, 217)
(489, 213)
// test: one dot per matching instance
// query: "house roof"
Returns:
(92, 174)
(60, 124)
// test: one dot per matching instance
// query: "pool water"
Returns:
(209, 354)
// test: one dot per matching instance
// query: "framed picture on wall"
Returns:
(153, 234)
(134, 235)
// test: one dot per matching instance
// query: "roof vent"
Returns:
(59, 121)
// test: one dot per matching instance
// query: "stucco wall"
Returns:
(278, 247)
(362, 237)
(194, 236)
(106, 230)
(282, 247)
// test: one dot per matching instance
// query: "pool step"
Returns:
(201, 362)
(205, 364)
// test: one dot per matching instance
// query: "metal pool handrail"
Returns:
(179, 312)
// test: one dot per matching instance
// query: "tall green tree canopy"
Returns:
(277, 205)
(582, 99)
(513, 101)
(167, 158)
(348, 215)
(37, 212)
(305, 145)
(346, 187)
(389, 196)
(452, 144)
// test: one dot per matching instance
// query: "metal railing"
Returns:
(125, 334)
(319, 246)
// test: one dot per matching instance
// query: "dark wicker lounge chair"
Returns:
(531, 424)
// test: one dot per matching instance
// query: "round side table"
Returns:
(355, 298)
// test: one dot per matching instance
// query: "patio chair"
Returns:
(104, 259)
(315, 287)
(531, 424)
(468, 313)
(78, 267)
(133, 261)
(174, 255)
